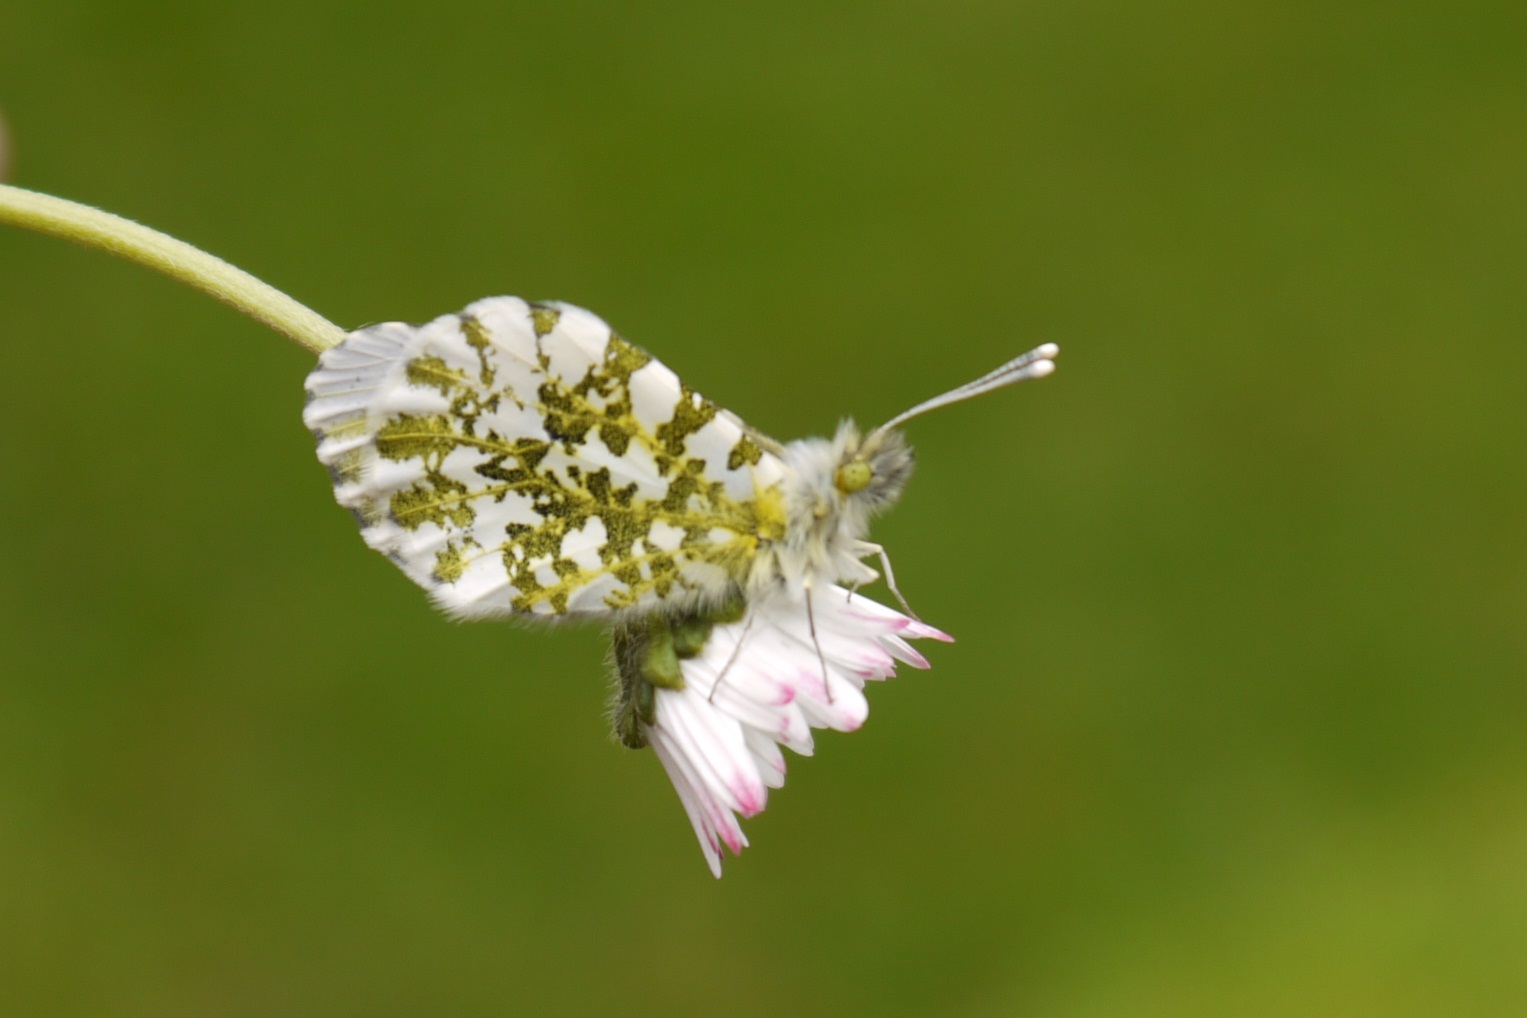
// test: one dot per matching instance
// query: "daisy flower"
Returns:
(760, 684)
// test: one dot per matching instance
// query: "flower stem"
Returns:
(94, 228)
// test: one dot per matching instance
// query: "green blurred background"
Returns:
(1236, 720)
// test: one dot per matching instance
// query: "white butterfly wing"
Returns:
(523, 458)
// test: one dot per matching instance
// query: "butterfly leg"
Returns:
(811, 624)
(870, 548)
(721, 676)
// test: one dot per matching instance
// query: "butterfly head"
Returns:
(871, 470)
(834, 488)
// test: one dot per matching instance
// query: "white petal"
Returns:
(719, 738)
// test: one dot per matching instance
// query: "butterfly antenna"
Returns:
(1037, 363)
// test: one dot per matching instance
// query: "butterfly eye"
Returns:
(853, 477)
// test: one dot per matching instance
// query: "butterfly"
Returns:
(522, 460)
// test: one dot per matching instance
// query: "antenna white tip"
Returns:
(1034, 364)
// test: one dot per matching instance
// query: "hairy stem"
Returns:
(94, 228)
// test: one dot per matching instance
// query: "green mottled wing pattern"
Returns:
(522, 458)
